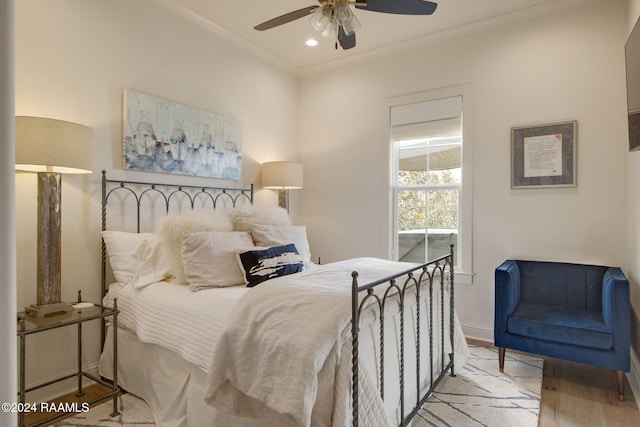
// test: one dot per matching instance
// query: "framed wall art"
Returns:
(544, 155)
(632, 61)
(164, 136)
(634, 131)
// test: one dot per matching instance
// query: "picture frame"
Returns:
(544, 155)
(164, 136)
(634, 131)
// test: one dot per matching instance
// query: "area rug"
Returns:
(481, 395)
(133, 412)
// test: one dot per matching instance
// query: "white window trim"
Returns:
(464, 273)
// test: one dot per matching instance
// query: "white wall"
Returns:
(73, 60)
(8, 385)
(633, 238)
(564, 65)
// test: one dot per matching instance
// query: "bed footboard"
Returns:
(437, 272)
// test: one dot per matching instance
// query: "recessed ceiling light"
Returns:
(311, 42)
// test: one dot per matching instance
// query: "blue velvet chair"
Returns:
(568, 311)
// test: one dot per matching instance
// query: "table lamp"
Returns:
(282, 176)
(50, 148)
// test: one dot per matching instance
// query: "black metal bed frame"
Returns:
(427, 273)
(167, 192)
(377, 295)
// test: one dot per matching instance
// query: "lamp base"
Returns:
(283, 199)
(47, 310)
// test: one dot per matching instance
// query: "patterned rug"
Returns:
(480, 395)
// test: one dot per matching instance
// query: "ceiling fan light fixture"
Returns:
(331, 30)
(343, 12)
(321, 18)
(352, 25)
(332, 15)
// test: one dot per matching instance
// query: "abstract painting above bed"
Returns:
(164, 136)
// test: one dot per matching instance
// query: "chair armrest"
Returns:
(507, 294)
(615, 303)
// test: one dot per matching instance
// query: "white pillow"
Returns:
(126, 251)
(171, 230)
(243, 217)
(276, 235)
(209, 258)
(151, 269)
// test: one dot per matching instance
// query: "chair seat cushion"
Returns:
(560, 324)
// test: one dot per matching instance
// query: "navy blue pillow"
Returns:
(259, 265)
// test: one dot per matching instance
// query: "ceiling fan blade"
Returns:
(286, 18)
(346, 41)
(400, 7)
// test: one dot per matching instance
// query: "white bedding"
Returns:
(176, 318)
(225, 331)
(289, 353)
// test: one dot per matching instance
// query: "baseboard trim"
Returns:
(634, 377)
(478, 332)
(55, 390)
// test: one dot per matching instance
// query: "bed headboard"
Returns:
(136, 206)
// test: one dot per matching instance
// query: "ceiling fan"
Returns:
(336, 19)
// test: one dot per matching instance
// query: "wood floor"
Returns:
(578, 395)
(90, 393)
(573, 394)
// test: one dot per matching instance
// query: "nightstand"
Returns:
(28, 325)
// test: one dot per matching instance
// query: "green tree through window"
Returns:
(427, 178)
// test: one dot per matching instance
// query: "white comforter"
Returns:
(176, 318)
(286, 349)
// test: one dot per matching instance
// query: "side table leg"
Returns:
(80, 392)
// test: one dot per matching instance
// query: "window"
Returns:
(429, 181)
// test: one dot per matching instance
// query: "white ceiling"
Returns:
(235, 19)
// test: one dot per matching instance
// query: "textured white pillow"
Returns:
(209, 258)
(277, 235)
(171, 230)
(243, 217)
(127, 251)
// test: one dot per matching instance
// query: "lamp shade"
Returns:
(49, 145)
(282, 175)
